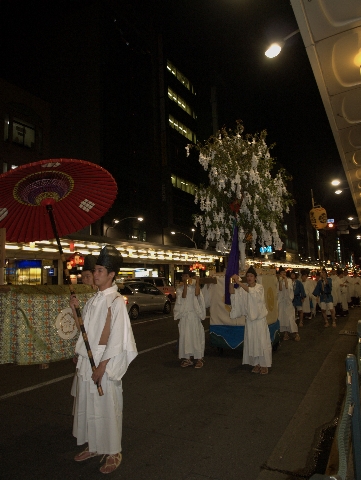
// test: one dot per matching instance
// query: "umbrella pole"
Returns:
(68, 281)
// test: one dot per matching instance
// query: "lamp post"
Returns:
(274, 49)
(191, 239)
(115, 221)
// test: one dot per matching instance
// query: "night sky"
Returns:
(222, 43)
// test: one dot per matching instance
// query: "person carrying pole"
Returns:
(98, 418)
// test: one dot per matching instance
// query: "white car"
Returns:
(143, 297)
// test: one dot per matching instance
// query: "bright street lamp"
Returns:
(191, 239)
(274, 49)
(115, 221)
(337, 182)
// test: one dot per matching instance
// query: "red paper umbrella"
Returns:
(78, 193)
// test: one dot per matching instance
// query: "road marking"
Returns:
(59, 379)
(134, 322)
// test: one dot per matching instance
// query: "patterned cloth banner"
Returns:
(36, 325)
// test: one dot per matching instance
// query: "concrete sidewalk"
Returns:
(297, 447)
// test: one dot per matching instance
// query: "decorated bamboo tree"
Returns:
(242, 191)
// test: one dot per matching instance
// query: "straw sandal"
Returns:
(286, 336)
(85, 455)
(112, 463)
(297, 337)
(256, 369)
(264, 371)
(186, 363)
(200, 363)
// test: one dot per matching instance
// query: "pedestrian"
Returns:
(87, 279)
(324, 291)
(98, 419)
(337, 280)
(190, 310)
(286, 310)
(357, 292)
(299, 296)
(309, 287)
(248, 300)
(349, 280)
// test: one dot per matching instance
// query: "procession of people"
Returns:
(98, 417)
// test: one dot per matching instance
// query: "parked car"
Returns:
(162, 284)
(143, 297)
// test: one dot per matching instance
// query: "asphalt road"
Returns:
(220, 422)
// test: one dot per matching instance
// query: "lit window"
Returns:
(182, 129)
(182, 184)
(23, 133)
(180, 102)
(183, 79)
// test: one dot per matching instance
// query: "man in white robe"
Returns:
(357, 293)
(286, 310)
(309, 287)
(248, 300)
(98, 418)
(190, 310)
(343, 293)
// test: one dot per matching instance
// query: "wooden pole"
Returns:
(2, 255)
(68, 281)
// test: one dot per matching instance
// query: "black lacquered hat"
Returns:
(110, 258)
(89, 263)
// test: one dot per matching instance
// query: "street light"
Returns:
(337, 182)
(191, 239)
(115, 221)
(274, 49)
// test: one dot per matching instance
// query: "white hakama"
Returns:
(257, 346)
(190, 312)
(98, 419)
(286, 310)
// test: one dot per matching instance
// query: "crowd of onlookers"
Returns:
(331, 293)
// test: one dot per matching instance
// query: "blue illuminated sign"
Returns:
(28, 264)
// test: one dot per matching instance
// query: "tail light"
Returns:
(126, 299)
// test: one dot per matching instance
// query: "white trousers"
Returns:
(98, 419)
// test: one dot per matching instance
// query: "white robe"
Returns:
(314, 299)
(286, 310)
(350, 287)
(98, 419)
(309, 287)
(336, 289)
(343, 294)
(257, 347)
(190, 312)
(357, 281)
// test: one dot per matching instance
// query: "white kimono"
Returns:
(343, 294)
(190, 312)
(98, 419)
(286, 310)
(257, 347)
(350, 288)
(309, 287)
(357, 281)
